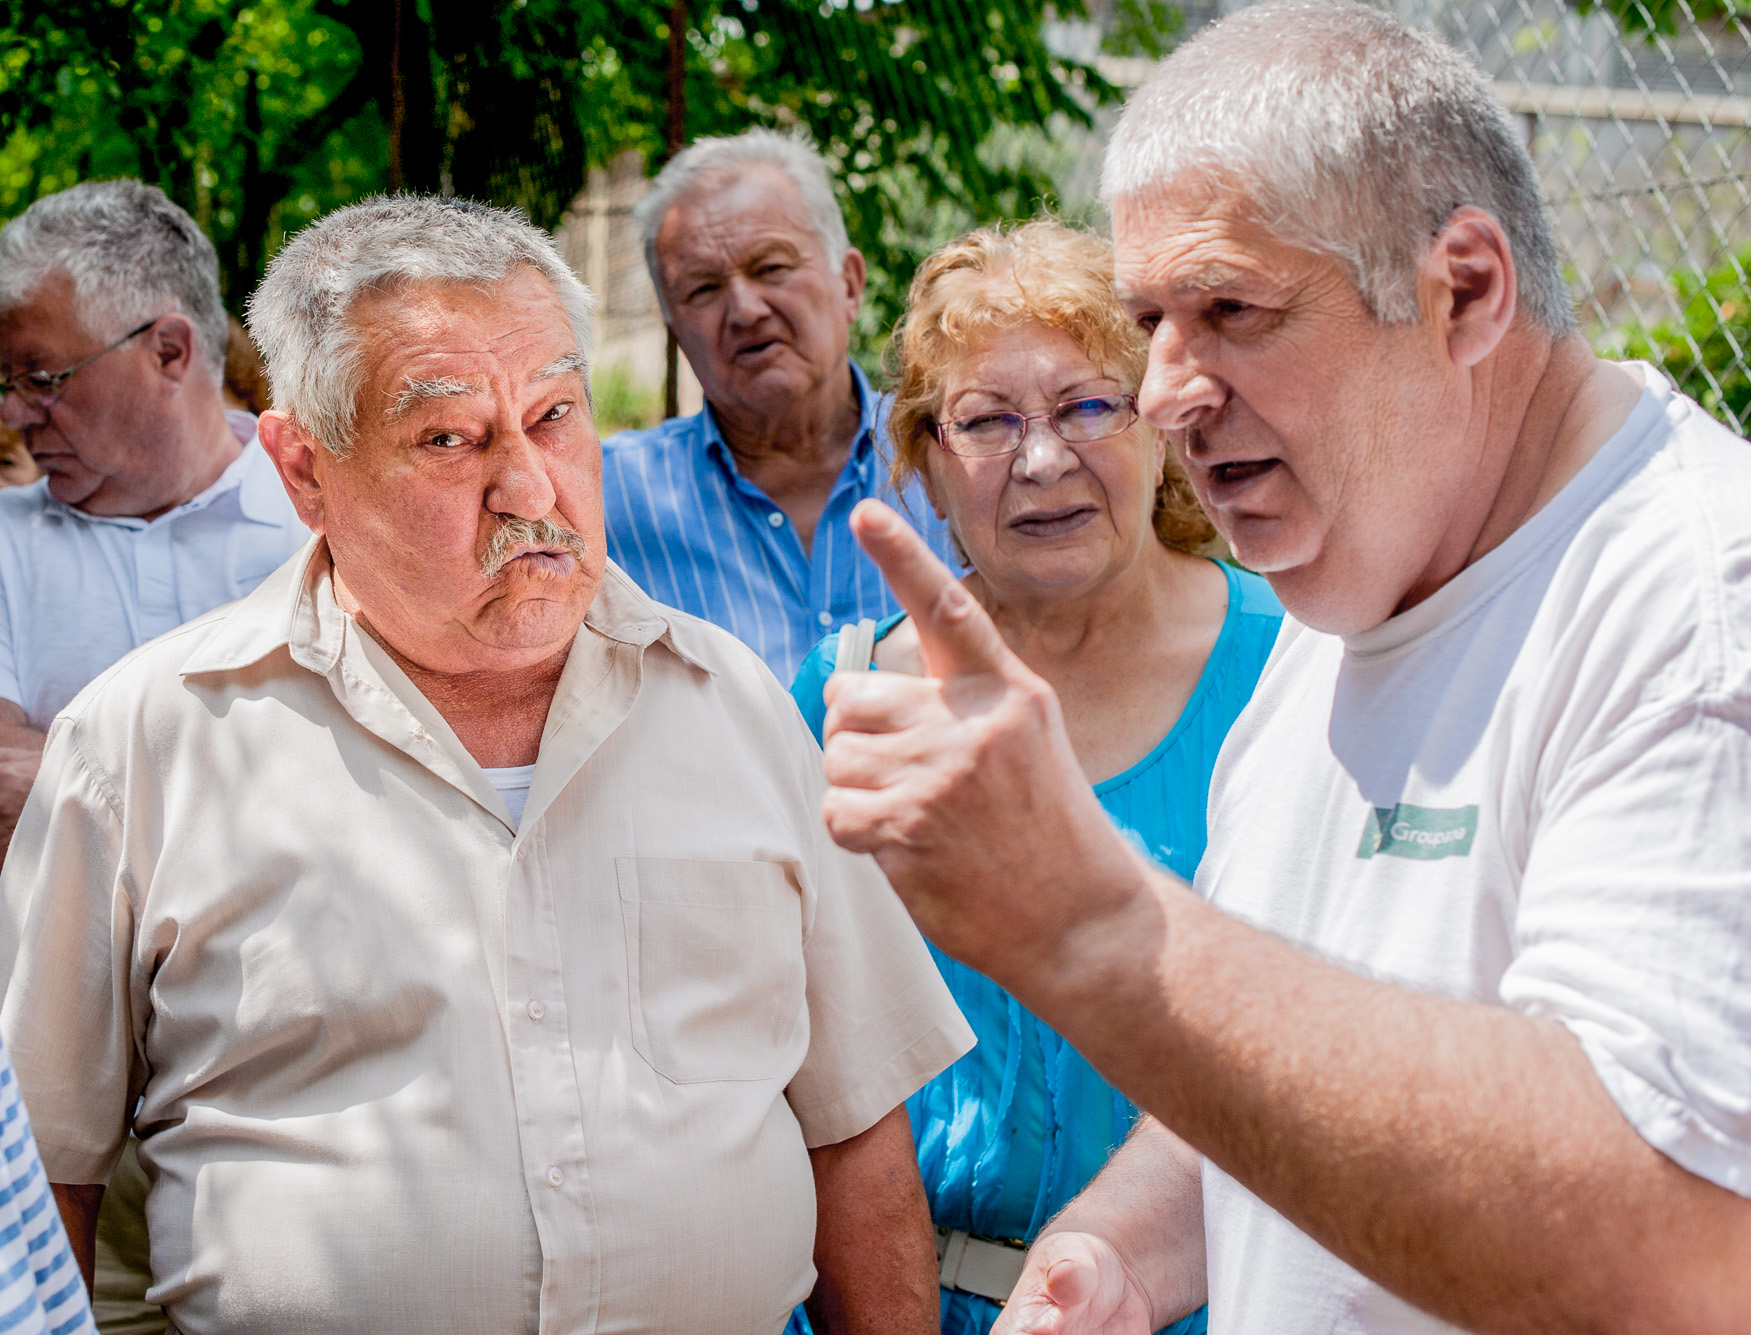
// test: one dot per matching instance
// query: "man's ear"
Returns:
(855, 274)
(302, 463)
(1469, 283)
(174, 346)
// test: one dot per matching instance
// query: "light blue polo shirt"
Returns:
(79, 591)
(697, 535)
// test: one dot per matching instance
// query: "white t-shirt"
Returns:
(1531, 790)
(511, 782)
(79, 591)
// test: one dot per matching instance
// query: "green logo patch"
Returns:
(1423, 833)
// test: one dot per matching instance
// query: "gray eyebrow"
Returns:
(572, 361)
(415, 392)
(1209, 276)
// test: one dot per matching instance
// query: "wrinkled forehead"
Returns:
(45, 315)
(728, 217)
(1182, 239)
(507, 333)
(449, 340)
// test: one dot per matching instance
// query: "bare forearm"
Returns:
(79, 1205)
(874, 1250)
(21, 755)
(1148, 1204)
(1465, 1156)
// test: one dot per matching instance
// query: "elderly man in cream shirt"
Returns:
(453, 924)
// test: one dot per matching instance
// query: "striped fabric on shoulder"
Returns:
(694, 533)
(41, 1290)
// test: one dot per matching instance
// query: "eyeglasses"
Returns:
(1077, 421)
(43, 389)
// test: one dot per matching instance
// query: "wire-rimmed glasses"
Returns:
(43, 389)
(1077, 421)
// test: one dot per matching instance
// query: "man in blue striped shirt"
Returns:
(739, 513)
(41, 1290)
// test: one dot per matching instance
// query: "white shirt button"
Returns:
(536, 1009)
(826, 618)
(776, 519)
(555, 1178)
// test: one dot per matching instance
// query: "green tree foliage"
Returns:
(1143, 28)
(1708, 350)
(253, 118)
(1652, 18)
(259, 115)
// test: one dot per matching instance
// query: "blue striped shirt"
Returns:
(697, 535)
(41, 1290)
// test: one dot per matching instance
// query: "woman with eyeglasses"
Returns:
(1016, 374)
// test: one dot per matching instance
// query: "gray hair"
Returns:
(132, 256)
(792, 154)
(1349, 134)
(300, 315)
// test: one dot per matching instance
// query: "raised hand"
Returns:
(1074, 1284)
(963, 783)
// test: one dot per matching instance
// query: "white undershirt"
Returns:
(512, 783)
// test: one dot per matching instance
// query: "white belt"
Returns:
(987, 1267)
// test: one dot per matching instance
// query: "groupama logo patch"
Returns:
(1422, 833)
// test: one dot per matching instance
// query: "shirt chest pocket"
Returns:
(715, 967)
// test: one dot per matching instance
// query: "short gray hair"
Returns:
(791, 154)
(1348, 133)
(300, 316)
(132, 256)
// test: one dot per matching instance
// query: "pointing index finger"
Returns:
(957, 637)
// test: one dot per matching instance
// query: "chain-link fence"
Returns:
(1639, 120)
(1637, 114)
(1643, 138)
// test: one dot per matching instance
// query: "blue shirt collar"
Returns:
(864, 450)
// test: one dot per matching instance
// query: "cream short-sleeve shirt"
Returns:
(404, 1065)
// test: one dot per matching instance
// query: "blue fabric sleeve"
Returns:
(811, 678)
(11, 688)
(811, 681)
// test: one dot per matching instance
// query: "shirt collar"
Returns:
(251, 475)
(260, 493)
(870, 413)
(294, 608)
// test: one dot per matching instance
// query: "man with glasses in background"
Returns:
(155, 506)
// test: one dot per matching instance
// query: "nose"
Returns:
(1178, 390)
(517, 483)
(1043, 455)
(18, 412)
(747, 304)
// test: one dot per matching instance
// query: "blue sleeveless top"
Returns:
(1017, 1127)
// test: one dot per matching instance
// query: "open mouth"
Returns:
(1243, 470)
(753, 350)
(1053, 523)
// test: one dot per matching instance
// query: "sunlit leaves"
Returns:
(259, 116)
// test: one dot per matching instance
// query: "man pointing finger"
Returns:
(1456, 1015)
(925, 769)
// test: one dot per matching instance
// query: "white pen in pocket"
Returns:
(856, 647)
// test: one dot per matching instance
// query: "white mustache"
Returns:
(514, 535)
